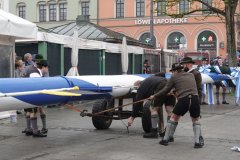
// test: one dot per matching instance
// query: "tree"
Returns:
(224, 9)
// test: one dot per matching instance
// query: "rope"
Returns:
(73, 108)
(76, 109)
(112, 109)
(84, 113)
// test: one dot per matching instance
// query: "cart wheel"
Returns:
(102, 122)
(146, 117)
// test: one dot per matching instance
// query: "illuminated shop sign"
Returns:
(207, 40)
(207, 45)
(161, 21)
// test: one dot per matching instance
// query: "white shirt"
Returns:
(36, 75)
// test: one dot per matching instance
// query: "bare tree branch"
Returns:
(180, 15)
(211, 8)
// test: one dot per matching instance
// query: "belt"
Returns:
(191, 95)
(190, 100)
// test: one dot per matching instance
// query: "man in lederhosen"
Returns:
(186, 90)
(146, 88)
(187, 63)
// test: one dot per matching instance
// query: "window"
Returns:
(52, 12)
(85, 8)
(207, 40)
(140, 8)
(145, 38)
(119, 8)
(22, 10)
(174, 40)
(183, 6)
(161, 7)
(204, 7)
(62, 11)
(42, 12)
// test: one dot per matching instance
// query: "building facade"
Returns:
(51, 13)
(4, 5)
(201, 31)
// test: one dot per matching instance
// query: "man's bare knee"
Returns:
(195, 120)
(175, 118)
(33, 115)
(154, 110)
(169, 110)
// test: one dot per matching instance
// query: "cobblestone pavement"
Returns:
(72, 137)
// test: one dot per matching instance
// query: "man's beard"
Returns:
(186, 69)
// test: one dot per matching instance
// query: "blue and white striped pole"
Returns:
(237, 92)
(235, 72)
(210, 94)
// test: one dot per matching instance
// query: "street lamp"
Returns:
(151, 24)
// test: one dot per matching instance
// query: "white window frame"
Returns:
(144, 1)
(179, 6)
(65, 3)
(165, 8)
(21, 4)
(80, 6)
(124, 3)
(38, 11)
(85, 7)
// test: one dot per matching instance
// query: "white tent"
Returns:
(82, 43)
(12, 28)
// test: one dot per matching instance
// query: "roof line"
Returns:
(92, 32)
(84, 30)
(61, 26)
(70, 29)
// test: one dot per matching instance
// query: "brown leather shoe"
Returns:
(225, 102)
(39, 134)
(164, 142)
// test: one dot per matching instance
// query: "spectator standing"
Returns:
(219, 68)
(146, 67)
(19, 68)
(204, 68)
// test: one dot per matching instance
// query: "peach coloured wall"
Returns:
(191, 29)
(106, 9)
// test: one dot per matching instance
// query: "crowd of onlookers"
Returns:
(32, 66)
(22, 65)
(214, 61)
(217, 65)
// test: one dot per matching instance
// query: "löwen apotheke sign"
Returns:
(161, 21)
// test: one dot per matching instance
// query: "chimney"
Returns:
(82, 19)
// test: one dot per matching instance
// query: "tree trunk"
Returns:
(230, 31)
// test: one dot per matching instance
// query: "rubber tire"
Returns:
(101, 122)
(146, 117)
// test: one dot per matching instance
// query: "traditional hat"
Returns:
(176, 66)
(37, 57)
(187, 60)
(204, 59)
(43, 63)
